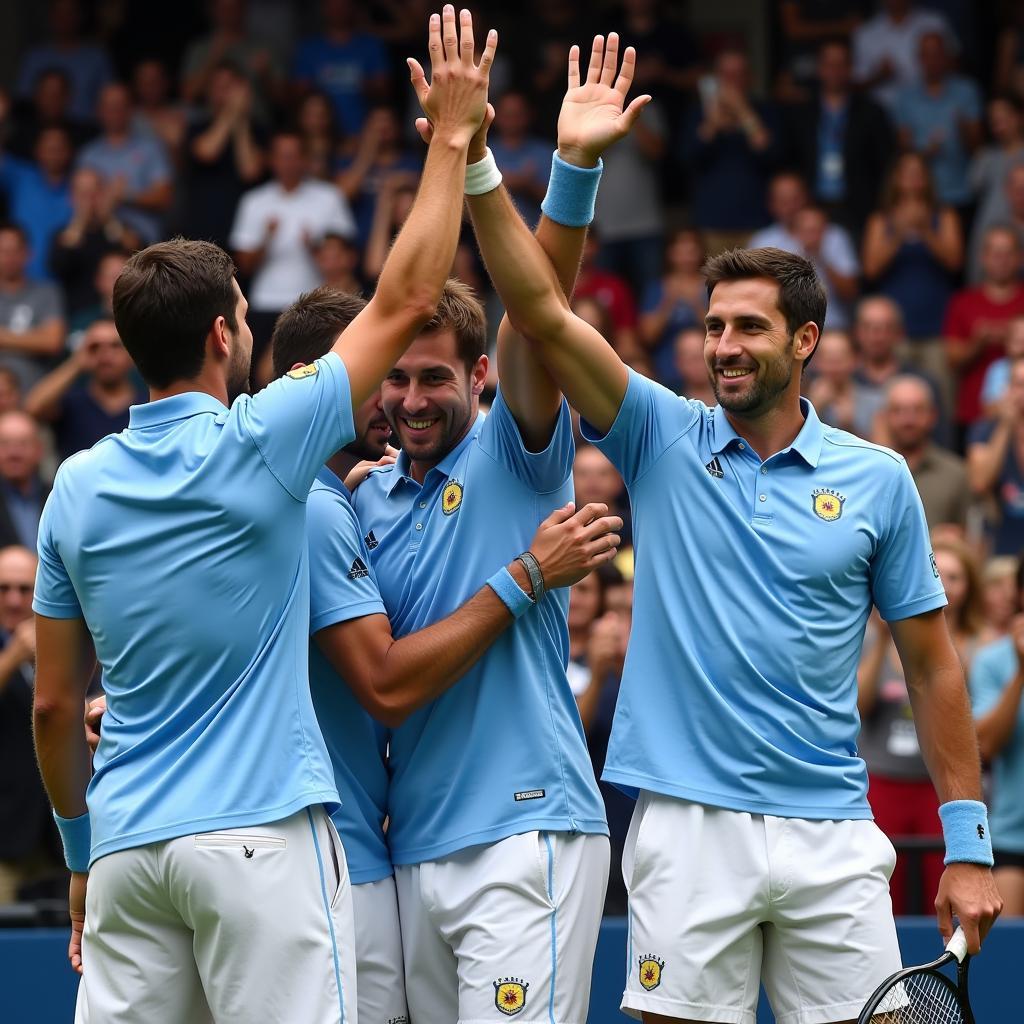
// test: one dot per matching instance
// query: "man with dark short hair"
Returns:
(751, 856)
(207, 875)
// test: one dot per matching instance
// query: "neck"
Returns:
(206, 384)
(289, 186)
(999, 291)
(915, 454)
(773, 430)
(878, 366)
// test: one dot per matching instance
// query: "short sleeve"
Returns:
(341, 581)
(541, 471)
(650, 418)
(992, 668)
(55, 595)
(904, 578)
(299, 420)
(247, 231)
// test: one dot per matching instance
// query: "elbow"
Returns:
(388, 709)
(51, 713)
(540, 319)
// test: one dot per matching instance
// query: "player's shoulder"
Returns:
(86, 462)
(846, 445)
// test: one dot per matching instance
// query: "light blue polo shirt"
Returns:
(993, 668)
(502, 752)
(342, 587)
(753, 586)
(182, 542)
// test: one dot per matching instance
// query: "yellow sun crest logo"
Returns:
(828, 504)
(451, 498)
(309, 370)
(650, 971)
(510, 995)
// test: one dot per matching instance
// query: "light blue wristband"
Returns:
(572, 192)
(965, 829)
(512, 596)
(76, 835)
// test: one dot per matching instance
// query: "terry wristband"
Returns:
(572, 192)
(76, 835)
(483, 176)
(512, 596)
(965, 829)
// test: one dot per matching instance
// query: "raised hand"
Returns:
(592, 116)
(570, 544)
(455, 100)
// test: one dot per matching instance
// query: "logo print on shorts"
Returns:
(451, 499)
(650, 971)
(510, 995)
(828, 504)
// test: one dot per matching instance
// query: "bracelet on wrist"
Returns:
(966, 832)
(533, 570)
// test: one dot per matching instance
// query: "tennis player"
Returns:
(762, 539)
(217, 888)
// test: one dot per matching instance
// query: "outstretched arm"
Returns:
(412, 278)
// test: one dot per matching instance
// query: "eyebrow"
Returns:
(755, 318)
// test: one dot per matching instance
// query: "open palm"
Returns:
(592, 116)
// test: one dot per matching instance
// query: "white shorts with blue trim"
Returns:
(720, 901)
(380, 971)
(504, 930)
(245, 924)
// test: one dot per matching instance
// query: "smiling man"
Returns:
(763, 537)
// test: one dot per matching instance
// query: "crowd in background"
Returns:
(887, 146)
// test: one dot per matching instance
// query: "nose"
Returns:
(415, 398)
(728, 346)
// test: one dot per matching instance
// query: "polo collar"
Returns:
(807, 443)
(445, 466)
(177, 407)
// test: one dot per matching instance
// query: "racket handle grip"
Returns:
(958, 945)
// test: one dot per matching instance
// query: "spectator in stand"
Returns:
(102, 307)
(676, 300)
(997, 685)
(900, 791)
(988, 173)
(523, 159)
(135, 169)
(913, 247)
(629, 211)
(691, 369)
(977, 320)
(394, 201)
(350, 66)
(48, 108)
(85, 65)
(28, 843)
(89, 394)
(957, 565)
(224, 155)
(276, 230)
(22, 491)
(842, 140)
(837, 267)
(731, 143)
(999, 595)
(229, 41)
(804, 27)
(666, 52)
(31, 314)
(995, 461)
(316, 123)
(886, 49)
(940, 117)
(155, 113)
(909, 420)
(610, 290)
(839, 399)
(39, 195)
(94, 231)
(1013, 217)
(380, 155)
(997, 376)
(337, 260)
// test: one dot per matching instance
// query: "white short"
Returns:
(379, 967)
(504, 930)
(245, 924)
(722, 900)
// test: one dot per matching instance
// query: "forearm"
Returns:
(63, 756)
(845, 285)
(248, 158)
(208, 146)
(43, 401)
(996, 727)
(155, 199)
(44, 340)
(985, 461)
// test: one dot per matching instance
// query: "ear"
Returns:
(806, 340)
(219, 339)
(479, 375)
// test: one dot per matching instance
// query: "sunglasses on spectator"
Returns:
(21, 588)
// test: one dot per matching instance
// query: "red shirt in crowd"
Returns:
(967, 310)
(612, 292)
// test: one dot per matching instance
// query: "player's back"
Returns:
(182, 540)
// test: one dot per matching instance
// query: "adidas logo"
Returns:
(371, 541)
(714, 467)
(358, 570)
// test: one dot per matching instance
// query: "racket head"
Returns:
(921, 995)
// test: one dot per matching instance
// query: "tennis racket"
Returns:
(924, 995)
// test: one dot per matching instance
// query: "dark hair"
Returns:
(801, 295)
(306, 330)
(459, 311)
(166, 300)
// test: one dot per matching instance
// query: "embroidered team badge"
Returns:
(309, 370)
(828, 504)
(510, 995)
(650, 971)
(451, 497)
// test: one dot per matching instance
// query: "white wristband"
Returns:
(483, 176)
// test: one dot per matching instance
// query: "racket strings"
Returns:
(919, 999)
